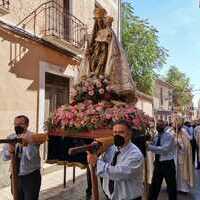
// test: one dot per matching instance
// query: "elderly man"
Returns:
(121, 166)
(28, 161)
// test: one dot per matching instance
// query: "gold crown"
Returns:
(99, 12)
(109, 19)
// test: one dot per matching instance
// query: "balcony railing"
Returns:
(49, 19)
(4, 6)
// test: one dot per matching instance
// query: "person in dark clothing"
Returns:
(164, 167)
(139, 138)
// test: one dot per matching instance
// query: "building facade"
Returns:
(163, 100)
(145, 103)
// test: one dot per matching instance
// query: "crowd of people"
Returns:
(172, 152)
(175, 150)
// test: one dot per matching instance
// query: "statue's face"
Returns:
(100, 22)
(108, 24)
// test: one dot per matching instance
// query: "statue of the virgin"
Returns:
(105, 56)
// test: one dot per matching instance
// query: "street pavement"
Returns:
(77, 191)
(52, 187)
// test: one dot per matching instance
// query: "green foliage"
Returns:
(182, 88)
(140, 41)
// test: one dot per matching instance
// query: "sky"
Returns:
(178, 23)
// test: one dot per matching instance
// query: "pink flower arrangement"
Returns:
(93, 108)
(95, 89)
(85, 116)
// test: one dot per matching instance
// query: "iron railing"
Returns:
(5, 4)
(50, 19)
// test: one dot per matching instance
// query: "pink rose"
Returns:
(93, 121)
(108, 88)
(91, 93)
(69, 115)
(98, 84)
(108, 116)
(74, 92)
(87, 84)
(99, 108)
(91, 87)
(105, 81)
(101, 91)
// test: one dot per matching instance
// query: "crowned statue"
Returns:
(104, 93)
(104, 56)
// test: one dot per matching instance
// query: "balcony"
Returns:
(50, 22)
(4, 7)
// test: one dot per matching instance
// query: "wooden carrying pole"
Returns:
(95, 189)
(99, 146)
(92, 148)
(14, 179)
(145, 178)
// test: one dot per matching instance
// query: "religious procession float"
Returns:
(104, 92)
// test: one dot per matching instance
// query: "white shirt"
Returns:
(127, 173)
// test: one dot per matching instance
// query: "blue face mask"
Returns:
(119, 140)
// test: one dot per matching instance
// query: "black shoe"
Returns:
(183, 193)
(198, 166)
(88, 197)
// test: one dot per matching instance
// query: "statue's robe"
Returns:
(116, 66)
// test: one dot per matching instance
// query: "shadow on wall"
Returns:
(22, 58)
(23, 64)
(25, 55)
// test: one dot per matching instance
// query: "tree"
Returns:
(140, 41)
(182, 95)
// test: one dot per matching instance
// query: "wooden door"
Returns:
(56, 94)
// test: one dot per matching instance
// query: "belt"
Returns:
(138, 198)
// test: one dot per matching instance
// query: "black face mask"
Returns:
(119, 140)
(19, 130)
(160, 130)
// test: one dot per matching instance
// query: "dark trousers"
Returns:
(29, 186)
(89, 183)
(198, 161)
(194, 148)
(166, 170)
